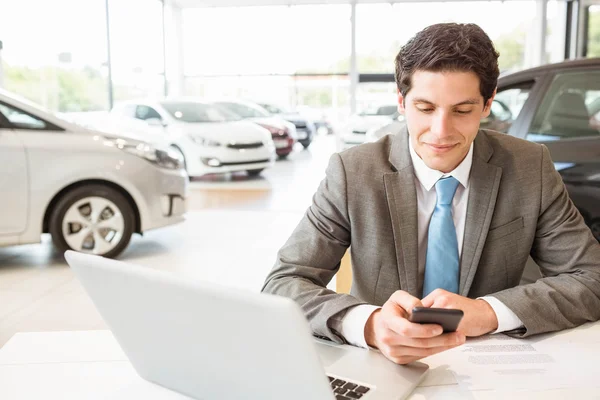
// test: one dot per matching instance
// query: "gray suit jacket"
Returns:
(518, 205)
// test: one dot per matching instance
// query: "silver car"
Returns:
(90, 190)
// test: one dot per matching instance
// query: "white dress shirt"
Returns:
(352, 325)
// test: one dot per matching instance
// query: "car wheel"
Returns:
(306, 144)
(94, 219)
(254, 172)
(283, 156)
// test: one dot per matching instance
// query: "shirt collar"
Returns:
(429, 177)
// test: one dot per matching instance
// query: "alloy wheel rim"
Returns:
(93, 225)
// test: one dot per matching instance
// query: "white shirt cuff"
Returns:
(507, 320)
(352, 325)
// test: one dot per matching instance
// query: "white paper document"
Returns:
(499, 362)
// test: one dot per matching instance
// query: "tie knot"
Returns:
(445, 189)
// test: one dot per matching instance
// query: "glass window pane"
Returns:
(55, 53)
(145, 112)
(21, 119)
(566, 110)
(593, 33)
(506, 107)
(268, 40)
(136, 48)
(383, 28)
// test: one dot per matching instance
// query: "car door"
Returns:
(563, 121)
(14, 182)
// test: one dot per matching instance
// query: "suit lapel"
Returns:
(484, 182)
(402, 202)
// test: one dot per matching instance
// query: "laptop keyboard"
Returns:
(346, 390)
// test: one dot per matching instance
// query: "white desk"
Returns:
(91, 365)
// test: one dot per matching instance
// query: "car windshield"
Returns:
(198, 112)
(245, 110)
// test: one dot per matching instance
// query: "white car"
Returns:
(90, 190)
(210, 139)
(355, 130)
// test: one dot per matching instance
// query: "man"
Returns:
(441, 215)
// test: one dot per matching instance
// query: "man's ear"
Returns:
(401, 103)
(488, 105)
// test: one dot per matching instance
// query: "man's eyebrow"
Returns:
(419, 100)
(462, 103)
(467, 102)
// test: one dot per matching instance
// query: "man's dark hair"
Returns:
(453, 48)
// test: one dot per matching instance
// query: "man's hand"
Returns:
(402, 341)
(479, 317)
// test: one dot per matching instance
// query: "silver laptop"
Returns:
(212, 342)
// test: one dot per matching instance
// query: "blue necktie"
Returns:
(441, 264)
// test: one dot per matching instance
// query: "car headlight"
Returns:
(205, 142)
(163, 158)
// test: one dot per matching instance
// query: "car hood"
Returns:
(275, 122)
(114, 127)
(227, 132)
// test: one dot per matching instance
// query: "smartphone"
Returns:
(447, 318)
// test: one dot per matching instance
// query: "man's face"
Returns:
(442, 111)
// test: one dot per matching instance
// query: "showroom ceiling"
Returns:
(248, 3)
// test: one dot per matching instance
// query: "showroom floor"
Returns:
(232, 232)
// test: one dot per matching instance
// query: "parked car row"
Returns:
(92, 180)
(217, 136)
(209, 138)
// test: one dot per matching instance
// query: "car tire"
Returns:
(306, 144)
(80, 207)
(283, 156)
(254, 172)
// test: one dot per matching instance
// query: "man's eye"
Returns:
(425, 110)
(463, 112)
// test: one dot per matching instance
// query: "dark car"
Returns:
(559, 105)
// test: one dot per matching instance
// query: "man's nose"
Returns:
(441, 125)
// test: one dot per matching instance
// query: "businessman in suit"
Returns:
(442, 214)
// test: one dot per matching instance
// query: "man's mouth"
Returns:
(440, 148)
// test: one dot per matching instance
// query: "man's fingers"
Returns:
(415, 352)
(406, 301)
(428, 301)
(445, 340)
(438, 298)
(403, 327)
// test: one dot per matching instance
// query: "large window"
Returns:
(593, 30)
(137, 48)
(282, 55)
(383, 28)
(55, 53)
(266, 40)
